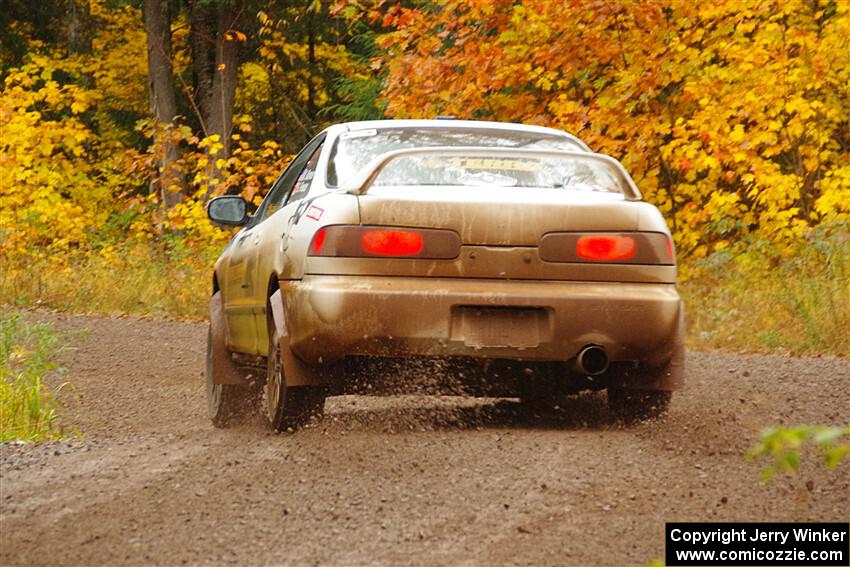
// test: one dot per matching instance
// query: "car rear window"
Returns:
(356, 148)
(575, 173)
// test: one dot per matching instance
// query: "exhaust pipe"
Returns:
(592, 360)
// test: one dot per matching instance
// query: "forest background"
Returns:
(120, 119)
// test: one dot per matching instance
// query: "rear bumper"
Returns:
(331, 317)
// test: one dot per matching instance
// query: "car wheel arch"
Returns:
(272, 287)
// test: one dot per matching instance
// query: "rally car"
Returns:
(523, 262)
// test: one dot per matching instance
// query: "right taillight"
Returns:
(608, 247)
(352, 241)
(392, 242)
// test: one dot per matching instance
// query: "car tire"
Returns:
(228, 403)
(633, 405)
(287, 407)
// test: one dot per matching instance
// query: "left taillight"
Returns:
(352, 241)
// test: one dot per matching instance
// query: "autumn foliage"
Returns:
(81, 176)
(731, 116)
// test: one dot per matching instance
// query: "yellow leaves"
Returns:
(48, 171)
(732, 117)
(709, 162)
(45, 149)
(737, 134)
(799, 106)
(235, 36)
(739, 157)
(834, 201)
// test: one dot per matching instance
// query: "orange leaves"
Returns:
(250, 170)
(749, 100)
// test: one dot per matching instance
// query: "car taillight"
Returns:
(318, 241)
(652, 248)
(381, 242)
(352, 241)
(606, 248)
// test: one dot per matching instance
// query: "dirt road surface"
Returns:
(409, 480)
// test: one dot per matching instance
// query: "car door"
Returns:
(243, 294)
(274, 231)
(245, 284)
(236, 293)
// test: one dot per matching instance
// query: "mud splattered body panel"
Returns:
(335, 316)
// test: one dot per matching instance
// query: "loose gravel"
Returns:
(407, 480)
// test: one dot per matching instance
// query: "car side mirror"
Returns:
(228, 209)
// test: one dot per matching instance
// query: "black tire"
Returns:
(634, 405)
(228, 403)
(288, 408)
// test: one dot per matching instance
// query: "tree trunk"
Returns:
(215, 65)
(311, 60)
(163, 102)
(80, 26)
(224, 82)
(203, 18)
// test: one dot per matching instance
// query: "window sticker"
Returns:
(498, 164)
(315, 213)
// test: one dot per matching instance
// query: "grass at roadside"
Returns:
(757, 297)
(767, 299)
(27, 356)
(141, 279)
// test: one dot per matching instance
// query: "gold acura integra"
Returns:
(525, 264)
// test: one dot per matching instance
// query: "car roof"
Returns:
(453, 124)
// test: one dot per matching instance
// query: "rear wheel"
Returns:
(228, 403)
(288, 407)
(638, 404)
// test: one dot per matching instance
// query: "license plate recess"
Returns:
(500, 327)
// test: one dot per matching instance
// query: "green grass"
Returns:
(27, 356)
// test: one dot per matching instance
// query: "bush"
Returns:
(782, 446)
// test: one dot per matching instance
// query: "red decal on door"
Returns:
(315, 212)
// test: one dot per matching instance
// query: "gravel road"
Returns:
(408, 480)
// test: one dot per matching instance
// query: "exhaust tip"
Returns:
(592, 360)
